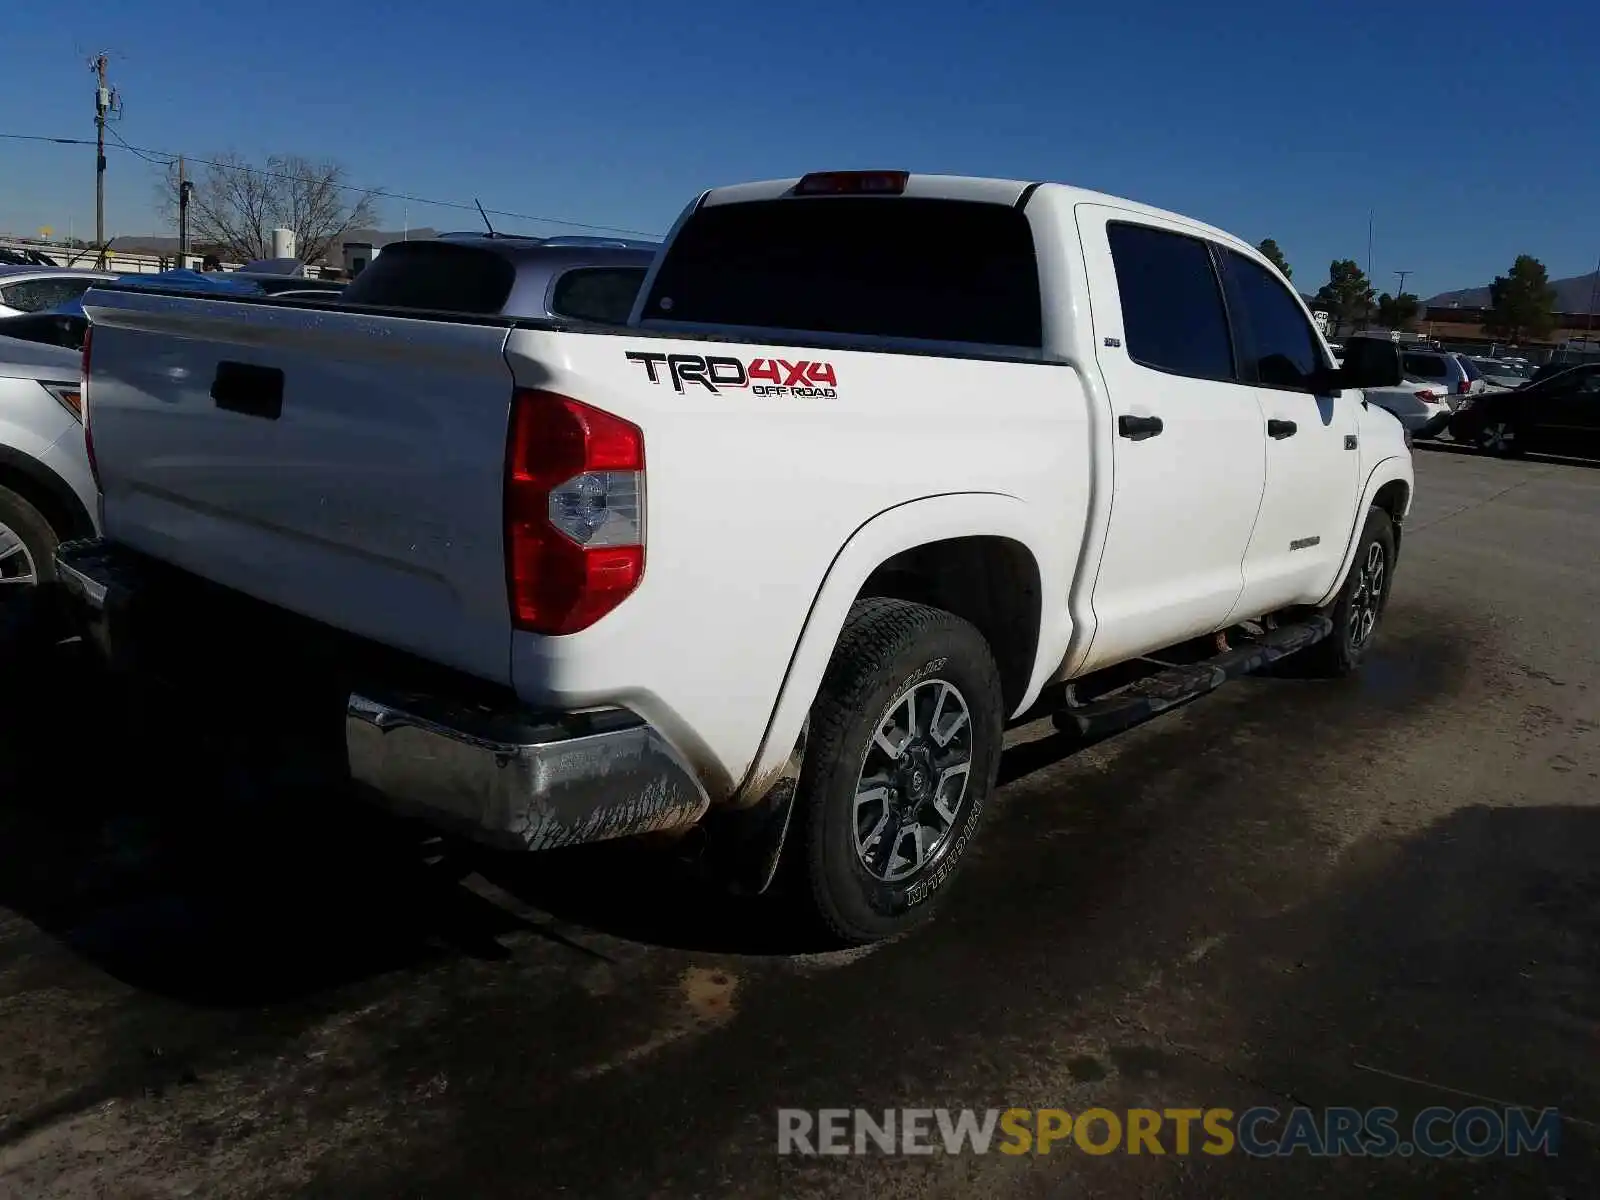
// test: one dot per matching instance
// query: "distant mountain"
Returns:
(1573, 295)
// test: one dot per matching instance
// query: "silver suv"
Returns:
(47, 493)
(1453, 375)
(594, 280)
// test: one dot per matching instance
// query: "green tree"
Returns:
(1521, 304)
(1347, 296)
(1271, 252)
(1398, 312)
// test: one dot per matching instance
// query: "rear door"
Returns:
(1313, 459)
(1189, 442)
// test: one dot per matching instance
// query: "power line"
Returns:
(166, 159)
(138, 153)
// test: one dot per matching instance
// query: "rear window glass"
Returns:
(941, 270)
(1430, 366)
(604, 294)
(435, 275)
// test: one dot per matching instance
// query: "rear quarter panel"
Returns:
(753, 498)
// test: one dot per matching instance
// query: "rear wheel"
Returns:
(903, 753)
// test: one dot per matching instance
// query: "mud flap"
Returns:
(743, 846)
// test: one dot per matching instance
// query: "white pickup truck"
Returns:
(880, 463)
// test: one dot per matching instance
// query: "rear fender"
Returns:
(905, 527)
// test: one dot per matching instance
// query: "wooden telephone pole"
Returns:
(105, 102)
(184, 189)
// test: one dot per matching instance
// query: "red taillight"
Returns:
(574, 512)
(1463, 386)
(853, 183)
(83, 403)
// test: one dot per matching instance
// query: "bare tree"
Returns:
(236, 205)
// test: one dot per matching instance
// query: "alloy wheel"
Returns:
(1497, 437)
(1366, 602)
(16, 562)
(912, 781)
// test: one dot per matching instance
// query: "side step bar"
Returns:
(1155, 694)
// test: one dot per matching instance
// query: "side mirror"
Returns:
(1369, 363)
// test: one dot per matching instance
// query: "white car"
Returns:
(1420, 407)
(880, 462)
(39, 289)
(47, 494)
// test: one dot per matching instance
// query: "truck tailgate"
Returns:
(345, 466)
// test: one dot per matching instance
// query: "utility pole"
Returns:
(184, 188)
(1594, 289)
(102, 105)
(1402, 289)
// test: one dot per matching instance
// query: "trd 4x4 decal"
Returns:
(763, 376)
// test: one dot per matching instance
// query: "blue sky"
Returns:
(1469, 128)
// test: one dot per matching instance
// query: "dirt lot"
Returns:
(215, 981)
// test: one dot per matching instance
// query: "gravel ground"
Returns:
(216, 981)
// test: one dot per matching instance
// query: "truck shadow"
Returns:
(181, 870)
(225, 874)
(210, 872)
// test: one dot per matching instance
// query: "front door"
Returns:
(1313, 465)
(1187, 441)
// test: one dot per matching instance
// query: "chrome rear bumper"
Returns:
(527, 782)
(498, 773)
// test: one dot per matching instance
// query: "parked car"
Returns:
(35, 289)
(47, 493)
(1501, 373)
(586, 279)
(797, 541)
(1453, 375)
(1559, 414)
(1548, 369)
(1419, 407)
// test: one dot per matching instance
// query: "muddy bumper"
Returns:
(525, 780)
(468, 760)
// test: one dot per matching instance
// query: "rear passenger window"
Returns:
(906, 267)
(434, 275)
(1172, 313)
(1425, 366)
(1283, 343)
(603, 294)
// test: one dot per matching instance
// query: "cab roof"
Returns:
(971, 188)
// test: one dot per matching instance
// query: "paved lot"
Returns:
(1382, 891)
